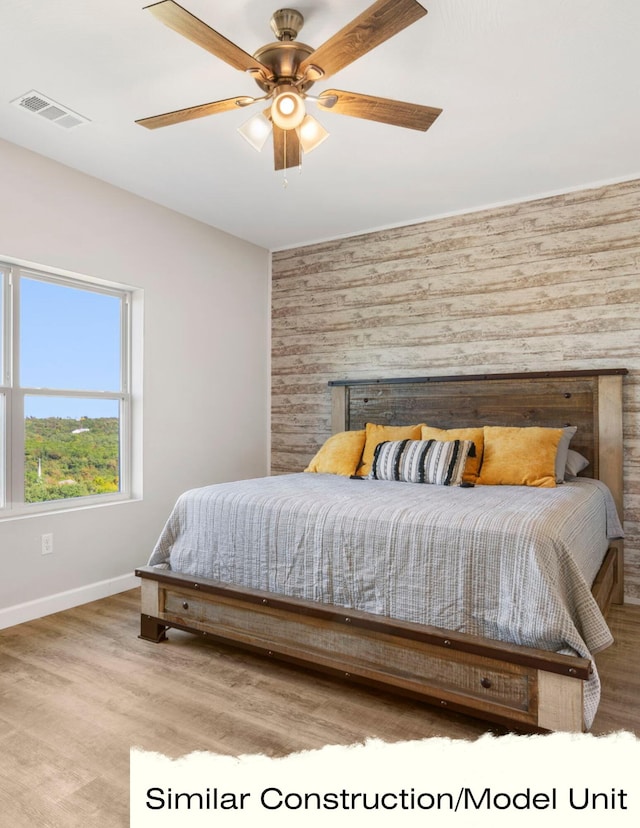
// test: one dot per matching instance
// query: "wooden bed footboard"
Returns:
(524, 688)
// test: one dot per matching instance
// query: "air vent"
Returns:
(51, 110)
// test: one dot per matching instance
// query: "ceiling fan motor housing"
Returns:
(283, 58)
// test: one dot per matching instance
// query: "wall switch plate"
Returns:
(47, 543)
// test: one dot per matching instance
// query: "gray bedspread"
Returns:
(512, 563)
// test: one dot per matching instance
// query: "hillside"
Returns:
(70, 458)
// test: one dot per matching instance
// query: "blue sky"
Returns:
(69, 339)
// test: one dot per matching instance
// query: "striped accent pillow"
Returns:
(421, 461)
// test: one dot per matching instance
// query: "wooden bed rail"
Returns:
(532, 690)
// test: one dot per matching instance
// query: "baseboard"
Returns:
(31, 610)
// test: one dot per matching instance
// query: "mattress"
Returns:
(511, 563)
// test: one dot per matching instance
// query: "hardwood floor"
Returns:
(78, 689)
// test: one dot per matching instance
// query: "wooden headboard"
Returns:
(590, 400)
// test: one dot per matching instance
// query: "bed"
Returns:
(282, 585)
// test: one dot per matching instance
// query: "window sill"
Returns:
(54, 508)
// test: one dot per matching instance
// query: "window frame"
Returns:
(12, 394)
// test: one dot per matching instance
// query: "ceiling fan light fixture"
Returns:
(256, 130)
(311, 134)
(287, 110)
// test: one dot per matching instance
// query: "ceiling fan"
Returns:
(287, 69)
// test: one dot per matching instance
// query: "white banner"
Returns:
(579, 779)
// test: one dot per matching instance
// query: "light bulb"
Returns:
(286, 105)
(287, 109)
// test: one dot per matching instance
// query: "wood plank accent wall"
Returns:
(551, 284)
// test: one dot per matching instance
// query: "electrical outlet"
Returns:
(47, 543)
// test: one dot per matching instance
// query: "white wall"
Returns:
(206, 353)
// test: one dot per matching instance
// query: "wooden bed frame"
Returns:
(526, 689)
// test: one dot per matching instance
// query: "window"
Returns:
(65, 399)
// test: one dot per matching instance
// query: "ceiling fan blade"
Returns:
(376, 24)
(286, 148)
(191, 112)
(384, 110)
(191, 27)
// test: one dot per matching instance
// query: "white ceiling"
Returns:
(539, 96)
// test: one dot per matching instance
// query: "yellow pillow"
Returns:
(340, 454)
(381, 433)
(476, 435)
(519, 456)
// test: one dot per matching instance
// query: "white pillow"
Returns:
(576, 462)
